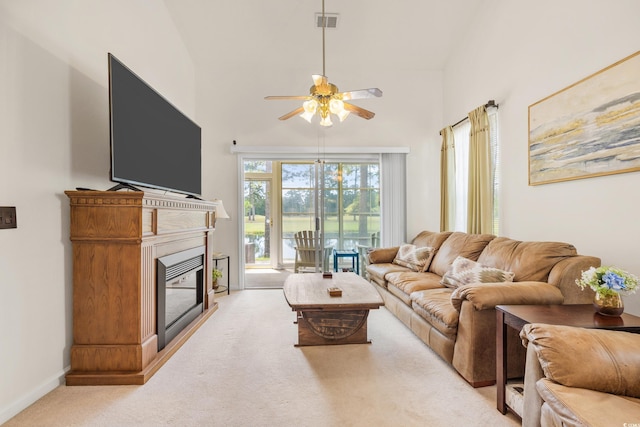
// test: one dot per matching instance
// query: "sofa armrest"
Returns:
(564, 275)
(532, 400)
(485, 296)
(383, 255)
(595, 359)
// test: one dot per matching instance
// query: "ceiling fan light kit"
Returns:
(324, 99)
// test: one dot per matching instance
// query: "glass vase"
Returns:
(609, 305)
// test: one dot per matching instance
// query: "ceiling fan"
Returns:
(324, 98)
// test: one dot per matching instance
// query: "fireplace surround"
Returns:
(118, 238)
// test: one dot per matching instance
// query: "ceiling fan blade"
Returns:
(285, 97)
(362, 94)
(319, 80)
(290, 114)
(360, 112)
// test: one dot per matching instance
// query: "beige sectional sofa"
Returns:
(581, 377)
(458, 320)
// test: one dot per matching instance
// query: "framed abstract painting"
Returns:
(591, 128)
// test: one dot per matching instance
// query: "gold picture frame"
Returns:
(591, 128)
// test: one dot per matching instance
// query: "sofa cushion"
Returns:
(577, 406)
(529, 261)
(596, 359)
(409, 281)
(434, 305)
(378, 272)
(413, 257)
(431, 239)
(459, 244)
(405, 298)
(464, 271)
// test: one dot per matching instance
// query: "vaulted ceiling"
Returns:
(280, 37)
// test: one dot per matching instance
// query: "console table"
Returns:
(118, 237)
(578, 315)
(218, 257)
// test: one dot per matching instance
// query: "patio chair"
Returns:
(363, 251)
(307, 242)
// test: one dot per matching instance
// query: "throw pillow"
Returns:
(464, 271)
(414, 257)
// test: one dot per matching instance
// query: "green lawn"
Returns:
(294, 224)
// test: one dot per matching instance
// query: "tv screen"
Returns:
(152, 143)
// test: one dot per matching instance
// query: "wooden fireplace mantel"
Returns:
(117, 238)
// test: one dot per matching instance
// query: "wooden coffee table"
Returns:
(327, 320)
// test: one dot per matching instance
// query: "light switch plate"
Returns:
(8, 217)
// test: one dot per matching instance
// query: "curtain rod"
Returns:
(490, 103)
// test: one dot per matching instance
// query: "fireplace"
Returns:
(180, 284)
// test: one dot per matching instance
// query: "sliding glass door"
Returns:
(352, 203)
(258, 222)
(300, 206)
(260, 242)
(339, 201)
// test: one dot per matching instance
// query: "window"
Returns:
(495, 154)
(349, 202)
(258, 212)
(365, 201)
(461, 138)
(357, 197)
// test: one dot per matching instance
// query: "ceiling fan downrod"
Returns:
(324, 26)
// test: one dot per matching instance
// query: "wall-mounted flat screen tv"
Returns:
(153, 144)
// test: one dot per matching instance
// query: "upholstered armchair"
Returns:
(580, 377)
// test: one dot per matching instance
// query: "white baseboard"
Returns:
(34, 395)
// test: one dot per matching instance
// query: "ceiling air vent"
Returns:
(330, 20)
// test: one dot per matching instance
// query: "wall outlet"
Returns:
(8, 217)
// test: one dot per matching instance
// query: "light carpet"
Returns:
(241, 369)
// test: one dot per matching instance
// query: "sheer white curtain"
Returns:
(495, 153)
(461, 136)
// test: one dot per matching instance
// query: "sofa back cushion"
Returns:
(529, 261)
(431, 239)
(459, 244)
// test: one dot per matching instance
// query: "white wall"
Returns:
(518, 53)
(53, 137)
